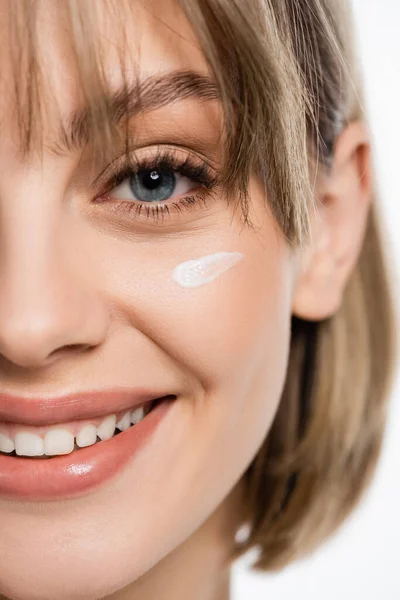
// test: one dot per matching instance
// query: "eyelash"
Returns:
(162, 160)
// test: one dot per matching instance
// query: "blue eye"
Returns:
(152, 185)
(156, 185)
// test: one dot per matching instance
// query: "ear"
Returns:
(338, 227)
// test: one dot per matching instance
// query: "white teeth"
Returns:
(6, 443)
(28, 444)
(58, 441)
(61, 440)
(137, 415)
(125, 422)
(87, 436)
(105, 431)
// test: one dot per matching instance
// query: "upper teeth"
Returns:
(61, 440)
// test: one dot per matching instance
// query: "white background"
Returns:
(362, 560)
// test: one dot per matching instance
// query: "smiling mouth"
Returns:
(128, 422)
(76, 473)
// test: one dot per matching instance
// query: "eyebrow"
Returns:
(128, 100)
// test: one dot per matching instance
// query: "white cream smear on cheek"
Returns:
(199, 271)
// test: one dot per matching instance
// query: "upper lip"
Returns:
(79, 405)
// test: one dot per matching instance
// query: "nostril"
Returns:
(73, 347)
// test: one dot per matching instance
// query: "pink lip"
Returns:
(80, 405)
(82, 470)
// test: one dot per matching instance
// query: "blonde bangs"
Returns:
(264, 108)
(79, 38)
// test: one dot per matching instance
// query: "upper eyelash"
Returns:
(199, 172)
(163, 159)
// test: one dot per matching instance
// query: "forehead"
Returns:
(132, 39)
(157, 36)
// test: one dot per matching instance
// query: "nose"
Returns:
(48, 300)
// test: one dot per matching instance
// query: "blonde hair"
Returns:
(289, 85)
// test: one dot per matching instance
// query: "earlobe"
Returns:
(338, 228)
(316, 294)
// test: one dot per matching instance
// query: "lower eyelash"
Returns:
(156, 211)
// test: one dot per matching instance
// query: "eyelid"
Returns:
(152, 156)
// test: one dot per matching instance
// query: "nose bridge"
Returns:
(46, 304)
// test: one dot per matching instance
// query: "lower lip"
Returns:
(81, 471)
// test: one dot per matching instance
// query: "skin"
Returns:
(80, 308)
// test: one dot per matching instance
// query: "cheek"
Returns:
(229, 338)
(223, 332)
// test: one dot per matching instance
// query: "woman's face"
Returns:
(88, 301)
